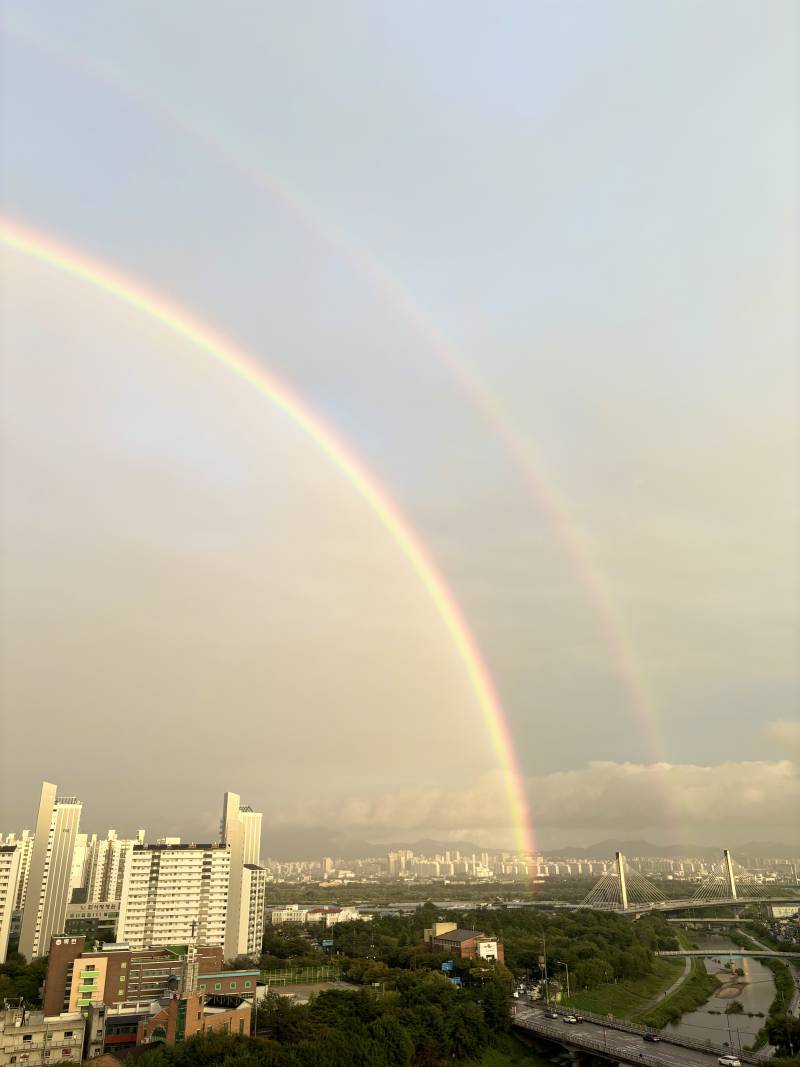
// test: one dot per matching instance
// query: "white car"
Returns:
(570, 1019)
(729, 1061)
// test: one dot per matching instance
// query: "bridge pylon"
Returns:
(728, 862)
(622, 889)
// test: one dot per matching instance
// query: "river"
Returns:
(756, 995)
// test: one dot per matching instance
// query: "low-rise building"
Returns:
(463, 944)
(115, 973)
(29, 1038)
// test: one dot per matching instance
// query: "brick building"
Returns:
(463, 944)
(115, 973)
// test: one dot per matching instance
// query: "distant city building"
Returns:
(47, 895)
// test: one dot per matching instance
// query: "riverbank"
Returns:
(784, 985)
(694, 992)
(627, 1000)
(510, 1051)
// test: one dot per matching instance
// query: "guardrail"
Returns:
(631, 1028)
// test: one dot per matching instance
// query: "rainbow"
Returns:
(539, 485)
(46, 250)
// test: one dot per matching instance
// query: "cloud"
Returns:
(787, 735)
(603, 796)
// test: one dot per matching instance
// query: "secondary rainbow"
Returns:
(69, 261)
(541, 487)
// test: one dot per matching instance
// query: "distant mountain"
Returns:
(645, 849)
(313, 844)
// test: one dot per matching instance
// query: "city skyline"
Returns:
(403, 424)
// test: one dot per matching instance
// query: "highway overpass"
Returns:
(714, 953)
(618, 1041)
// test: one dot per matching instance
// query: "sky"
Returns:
(535, 265)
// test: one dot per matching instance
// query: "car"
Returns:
(729, 1061)
(570, 1018)
(652, 1037)
(579, 1019)
(551, 1015)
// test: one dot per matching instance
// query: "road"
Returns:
(616, 1044)
(770, 953)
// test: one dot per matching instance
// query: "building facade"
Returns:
(31, 1038)
(175, 895)
(241, 831)
(464, 944)
(117, 974)
(48, 888)
(9, 878)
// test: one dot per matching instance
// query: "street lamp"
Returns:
(566, 967)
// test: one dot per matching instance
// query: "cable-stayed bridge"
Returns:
(728, 883)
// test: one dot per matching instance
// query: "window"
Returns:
(218, 985)
(247, 984)
(233, 985)
(27, 1037)
(202, 985)
(67, 1033)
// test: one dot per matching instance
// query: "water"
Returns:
(756, 995)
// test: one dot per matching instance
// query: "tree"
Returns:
(394, 1040)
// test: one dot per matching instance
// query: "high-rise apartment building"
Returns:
(251, 918)
(9, 876)
(241, 832)
(106, 862)
(175, 895)
(47, 894)
(24, 843)
(77, 876)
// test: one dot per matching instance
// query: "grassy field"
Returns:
(509, 1051)
(627, 999)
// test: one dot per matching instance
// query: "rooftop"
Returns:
(459, 935)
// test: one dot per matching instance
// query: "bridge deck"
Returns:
(623, 1045)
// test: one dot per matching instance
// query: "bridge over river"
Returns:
(619, 1041)
(714, 953)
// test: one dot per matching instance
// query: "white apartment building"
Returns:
(9, 877)
(241, 832)
(24, 842)
(105, 866)
(175, 894)
(251, 920)
(47, 895)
